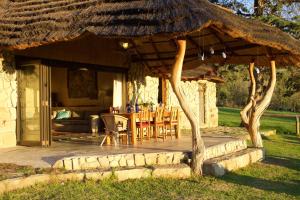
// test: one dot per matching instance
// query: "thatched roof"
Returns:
(150, 26)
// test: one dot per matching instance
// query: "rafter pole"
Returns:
(158, 55)
(222, 42)
(139, 54)
(197, 142)
(195, 43)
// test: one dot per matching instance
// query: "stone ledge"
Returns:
(135, 173)
(143, 159)
(172, 171)
(120, 160)
(219, 166)
(180, 171)
(225, 148)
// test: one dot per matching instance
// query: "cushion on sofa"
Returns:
(66, 114)
(78, 114)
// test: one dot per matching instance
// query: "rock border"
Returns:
(179, 171)
(143, 159)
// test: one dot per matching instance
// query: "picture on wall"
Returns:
(82, 83)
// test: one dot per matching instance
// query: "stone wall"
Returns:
(205, 102)
(201, 96)
(210, 99)
(148, 92)
(121, 160)
(8, 103)
(191, 91)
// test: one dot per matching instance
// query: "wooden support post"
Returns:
(256, 106)
(297, 125)
(197, 142)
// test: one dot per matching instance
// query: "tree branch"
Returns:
(252, 102)
(264, 103)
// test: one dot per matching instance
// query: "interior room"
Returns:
(80, 94)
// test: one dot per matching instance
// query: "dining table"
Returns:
(133, 116)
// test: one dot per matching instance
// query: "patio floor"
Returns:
(45, 157)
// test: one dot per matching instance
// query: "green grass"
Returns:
(278, 177)
(231, 117)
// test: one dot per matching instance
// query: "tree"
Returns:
(197, 142)
(258, 103)
(259, 7)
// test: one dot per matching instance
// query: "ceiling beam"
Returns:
(222, 42)
(209, 55)
(158, 55)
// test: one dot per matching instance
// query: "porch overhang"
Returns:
(213, 35)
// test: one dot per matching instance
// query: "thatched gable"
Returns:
(150, 25)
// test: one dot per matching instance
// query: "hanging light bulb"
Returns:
(212, 51)
(224, 55)
(257, 70)
(201, 55)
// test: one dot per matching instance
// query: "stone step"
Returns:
(230, 162)
(120, 160)
(225, 148)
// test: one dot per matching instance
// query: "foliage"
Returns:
(234, 92)
(231, 117)
(278, 177)
(285, 15)
(292, 27)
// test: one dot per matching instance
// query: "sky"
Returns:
(288, 12)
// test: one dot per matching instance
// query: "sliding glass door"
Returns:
(33, 105)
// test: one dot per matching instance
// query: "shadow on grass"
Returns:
(263, 184)
(290, 163)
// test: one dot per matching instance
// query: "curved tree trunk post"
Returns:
(197, 142)
(255, 108)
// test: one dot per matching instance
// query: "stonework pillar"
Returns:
(200, 94)
(203, 105)
(8, 104)
(191, 91)
(210, 104)
(202, 98)
(148, 93)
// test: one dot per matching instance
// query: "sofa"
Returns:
(79, 120)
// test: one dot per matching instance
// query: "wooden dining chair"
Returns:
(116, 127)
(158, 123)
(143, 124)
(173, 123)
(114, 110)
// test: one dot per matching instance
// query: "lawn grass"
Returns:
(231, 117)
(278, 177)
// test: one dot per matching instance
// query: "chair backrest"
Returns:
(114, 123)
(144, 115)
(121, 122)
(114, 110)
(159, 115)
(174, 115)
